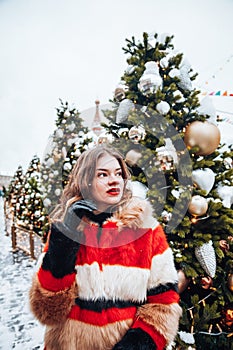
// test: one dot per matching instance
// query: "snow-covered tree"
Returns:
(171, 141)
(68, 140)
(31, 212)
(14, 189)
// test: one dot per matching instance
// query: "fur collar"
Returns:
(137, 214)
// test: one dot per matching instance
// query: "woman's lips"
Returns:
(113, 191)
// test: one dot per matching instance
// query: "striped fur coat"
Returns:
(125, 278)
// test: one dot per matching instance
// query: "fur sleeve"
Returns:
(50, 307)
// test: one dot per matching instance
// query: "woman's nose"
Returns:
(113, 179)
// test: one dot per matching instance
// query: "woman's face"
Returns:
(108, 184)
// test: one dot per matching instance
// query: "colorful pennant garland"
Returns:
(218, 93)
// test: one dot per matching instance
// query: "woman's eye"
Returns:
(119, 174)
(101, 175)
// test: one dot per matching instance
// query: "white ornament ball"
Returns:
(67, 166)
(163, 107)
(47, 202)
(198, 206)
(204, 179)
(57, 192)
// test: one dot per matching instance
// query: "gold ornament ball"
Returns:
(198, 206)
(206, 136)
(230, 282)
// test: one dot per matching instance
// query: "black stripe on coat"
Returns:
(162, 288)
(102, 304)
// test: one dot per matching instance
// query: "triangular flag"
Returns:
(211, 93)
(218, 93)
(225, 93)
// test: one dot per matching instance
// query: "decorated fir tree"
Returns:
(14, 190)
(170, 138)
(69, 139)
(31, 212)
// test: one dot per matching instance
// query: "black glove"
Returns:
(135, 339)
(65, 240)
(76, 211)
(61, 255)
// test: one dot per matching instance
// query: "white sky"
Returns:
(72, 49)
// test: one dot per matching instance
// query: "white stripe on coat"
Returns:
(163, 269)
(112, 282)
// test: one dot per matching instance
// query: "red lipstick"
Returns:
(113, 191)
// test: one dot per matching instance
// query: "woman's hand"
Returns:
(61, 255)
(77, 211)
(64, 240)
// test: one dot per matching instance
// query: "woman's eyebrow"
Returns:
(103, 169)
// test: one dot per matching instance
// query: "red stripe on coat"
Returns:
(158, 339)
(104, 317)
(49, 282)
(168, 297)
(135, 254)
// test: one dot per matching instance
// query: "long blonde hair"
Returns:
(82, 175)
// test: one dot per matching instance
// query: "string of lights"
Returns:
(210, 333)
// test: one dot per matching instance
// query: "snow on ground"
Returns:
(19, 330)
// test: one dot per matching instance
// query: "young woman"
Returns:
(107, 279)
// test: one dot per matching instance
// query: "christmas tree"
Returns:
(69, 139)
(31, 213)
(14, 189)
(170, 138)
